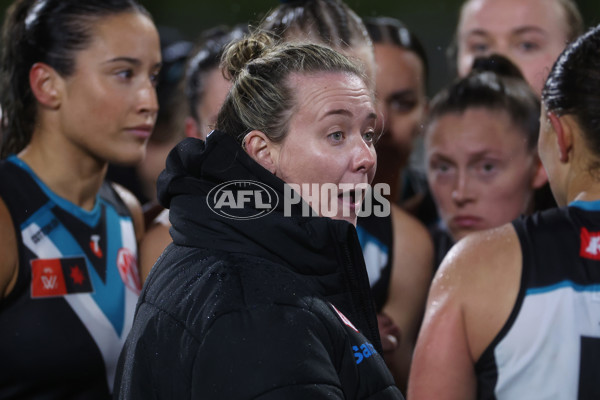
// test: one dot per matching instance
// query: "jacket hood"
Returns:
(324, 250)
(194, 168)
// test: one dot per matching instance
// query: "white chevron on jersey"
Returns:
(551, 322)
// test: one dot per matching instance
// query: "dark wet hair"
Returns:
(48, 31)
(496, 84)
(330, 22)
(386, 30)
(573, 86)
(261, 97)
(204, 59)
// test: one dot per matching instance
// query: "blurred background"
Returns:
(432, 20)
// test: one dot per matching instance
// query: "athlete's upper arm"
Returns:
(411, 275)
(9, 261)
(470, 299)
(154, 242)
(135, 208)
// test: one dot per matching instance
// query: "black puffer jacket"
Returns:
(245, 309)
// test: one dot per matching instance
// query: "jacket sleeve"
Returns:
(266, 352)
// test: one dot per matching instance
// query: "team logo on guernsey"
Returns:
(590, 244)
(95, 245)
(343, 318)
(127, 265)
(59, 276)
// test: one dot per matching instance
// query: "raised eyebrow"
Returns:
(347, 113)
(337, 111)
(134, 61)
(435, 156)
(483, 155)
(129, 60)
(477, 32)
(528, 29)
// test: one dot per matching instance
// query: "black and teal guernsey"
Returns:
(63, 325)
(549, 347)
(377, 242)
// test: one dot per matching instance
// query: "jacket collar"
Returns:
(324, 250)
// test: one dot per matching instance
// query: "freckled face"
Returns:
(330, 138)
(531, 33)
(479, 170)
(108, 105)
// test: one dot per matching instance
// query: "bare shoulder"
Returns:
(471, 298)
(135, 208)
(156, 239)
(9, 262)
(481, 273)
(405, 223)
(413, 249)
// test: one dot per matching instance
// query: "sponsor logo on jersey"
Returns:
(127, 265)
(95, 245)
(44, 231)
(59, 276)
(343, 318)
(590, 244)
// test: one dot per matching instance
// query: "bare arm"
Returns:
(9, 261)
(470, 299)
(156, 239)
(411, 275)
(135, 208)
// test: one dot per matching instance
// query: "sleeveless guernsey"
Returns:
(376, 240)
(64, 323)
(550, 346)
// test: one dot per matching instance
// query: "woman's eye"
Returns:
(336, 136)
(479, 48)
(369, 137)
(441, 167)
(402, 105)
(125, 74)
(487, 168)
(529, 46)
(154, 79)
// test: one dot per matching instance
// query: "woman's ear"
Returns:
(564, 137)
(262, 150)
(44, 82)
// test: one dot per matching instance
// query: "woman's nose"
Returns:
(462, 192)
(366, 157)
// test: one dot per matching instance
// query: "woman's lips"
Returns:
(466, 222)
(140, 131)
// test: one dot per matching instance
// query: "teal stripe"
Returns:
(576, 287)
(586, 205)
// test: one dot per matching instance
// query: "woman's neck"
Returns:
(71, 174)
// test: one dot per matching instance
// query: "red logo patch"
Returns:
(47, 278)
(59, 276)
(127, 265)
(590, 244)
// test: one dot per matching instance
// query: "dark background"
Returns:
(432, 20)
